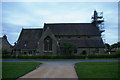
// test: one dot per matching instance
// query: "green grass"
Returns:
(97, 69)
(13, 70)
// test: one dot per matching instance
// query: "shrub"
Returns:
(116, 55)
(6, 56)
(51, 56)
(4, 51)
(68, 47)
(113, 55)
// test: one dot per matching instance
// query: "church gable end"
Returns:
(28, 41)
(48, 43)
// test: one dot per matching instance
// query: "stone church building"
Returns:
(49, 39)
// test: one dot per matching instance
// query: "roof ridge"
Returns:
(67, 23)
(33, 28)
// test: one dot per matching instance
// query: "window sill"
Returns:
(47, 51)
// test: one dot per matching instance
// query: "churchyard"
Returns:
(103, 69)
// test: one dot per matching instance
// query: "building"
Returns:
(49, 39)
(5, 45)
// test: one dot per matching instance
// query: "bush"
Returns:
(4, 51)
(68, 47)
(116, 55)
(29, 56)
(6, 56)
(51, 56)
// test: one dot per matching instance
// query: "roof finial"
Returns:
(5, 37)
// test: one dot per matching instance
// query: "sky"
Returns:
(18, 15)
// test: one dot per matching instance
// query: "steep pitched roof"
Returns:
(30, 34)
(73, 29)
(86, 43)
(28, 37)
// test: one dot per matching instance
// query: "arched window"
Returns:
(84, 52)
(48, 44)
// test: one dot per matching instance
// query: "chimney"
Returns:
(5, 37)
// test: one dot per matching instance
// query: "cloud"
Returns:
(35, 14)
(111, 38)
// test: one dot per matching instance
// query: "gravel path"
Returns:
(53, 70)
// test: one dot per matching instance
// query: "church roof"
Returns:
(28, 37)
(86, 43)
(87, 29)
(30, 34)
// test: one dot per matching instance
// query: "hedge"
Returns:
(51, 56)
(116, 55)
(6, 56)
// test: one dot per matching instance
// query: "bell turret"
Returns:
(98, 20)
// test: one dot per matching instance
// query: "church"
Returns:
(49, 39)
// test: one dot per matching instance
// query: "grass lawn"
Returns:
(13, 70)
(97, 69)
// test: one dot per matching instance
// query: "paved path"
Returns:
(53, 70)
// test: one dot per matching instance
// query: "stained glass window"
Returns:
(47, 44)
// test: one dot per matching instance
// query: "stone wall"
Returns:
(40, 48)
(90, 50)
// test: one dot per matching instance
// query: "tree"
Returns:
(68, 47)
(108, 47)
(115, 45)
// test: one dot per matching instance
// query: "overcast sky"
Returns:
(18, 15)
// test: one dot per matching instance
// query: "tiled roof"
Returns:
(88, 29)
(26, 45)
(30, 34)
(28, 37)
(86, 43)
